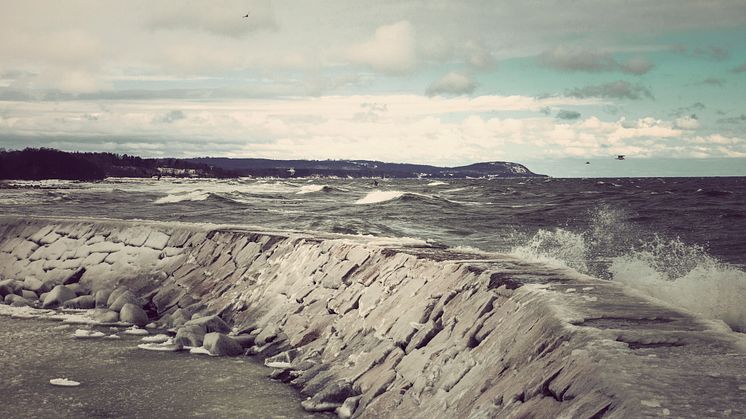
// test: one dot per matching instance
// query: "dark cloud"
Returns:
(573, 59)
(686, 110)
(740, 69)
(452, 84)
(568, 115)
(713, 81)
(713, 53)
(620, 89)
(636, 66)
(546, 110)
(740, 119)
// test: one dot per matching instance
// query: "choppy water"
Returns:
(678, 239)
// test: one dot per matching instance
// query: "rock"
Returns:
(127, 297)
(58, 296)
(20, 302)
(102, 296)
(220, 344)
(348, 407)
(267, 335)
(74, 278)
(106, 316)
(115, 294)
(210, 324)
(82, 302)
(178, 318)
(29, 295)
(8, 286)
(132, 313)
(245, 340)
(79, 289)
(191, 335)
(35, 285)
(10, 298)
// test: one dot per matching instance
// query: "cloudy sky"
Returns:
(441, 82)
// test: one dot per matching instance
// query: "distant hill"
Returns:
(363, 168)
(45, 163)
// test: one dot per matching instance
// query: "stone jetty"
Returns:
(380, 329)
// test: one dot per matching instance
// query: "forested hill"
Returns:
(45, 163)
(363, 168)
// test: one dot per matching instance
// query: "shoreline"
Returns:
(373, 330)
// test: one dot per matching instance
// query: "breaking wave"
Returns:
(183, 196)
(376, 197)
(670, 270)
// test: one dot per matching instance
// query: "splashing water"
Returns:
(670, 270)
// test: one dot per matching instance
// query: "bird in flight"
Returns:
(247, 15)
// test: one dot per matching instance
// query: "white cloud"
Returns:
(392, 49)
(687, 123)
(452, 83)
(396, 127)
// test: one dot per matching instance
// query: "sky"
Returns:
(551, 83)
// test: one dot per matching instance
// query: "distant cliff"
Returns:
(44, 163)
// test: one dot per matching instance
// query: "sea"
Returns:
(679, 240)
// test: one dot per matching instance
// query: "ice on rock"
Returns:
(157, 240)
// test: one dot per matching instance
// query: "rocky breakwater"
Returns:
(383, 330)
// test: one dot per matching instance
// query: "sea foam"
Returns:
(670, 270)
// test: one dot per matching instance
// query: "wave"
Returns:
(183, 196)
(376, 197)
(437, 183)
(670, 270)
(306, 189)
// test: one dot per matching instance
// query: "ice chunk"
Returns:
(88, 334)
(135, 331)
(159, 338)
(63, 382)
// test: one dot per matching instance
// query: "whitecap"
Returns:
(437, 183)
(379, 196)
(179, 197)
(310, 189)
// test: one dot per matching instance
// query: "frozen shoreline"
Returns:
(390, 330)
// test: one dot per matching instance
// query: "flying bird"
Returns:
(247, 15)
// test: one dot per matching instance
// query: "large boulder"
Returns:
(192, 335)
(74, 278)
(82, 302)
(115, 294)
(222, 345)
(79, 289)
(58, 296)
(102, 298)
(106, 316)
(29, 295)
(36, 285)
(9, 286)
(210, 324)
(20, 302)
(133, 313)
(127, 297)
